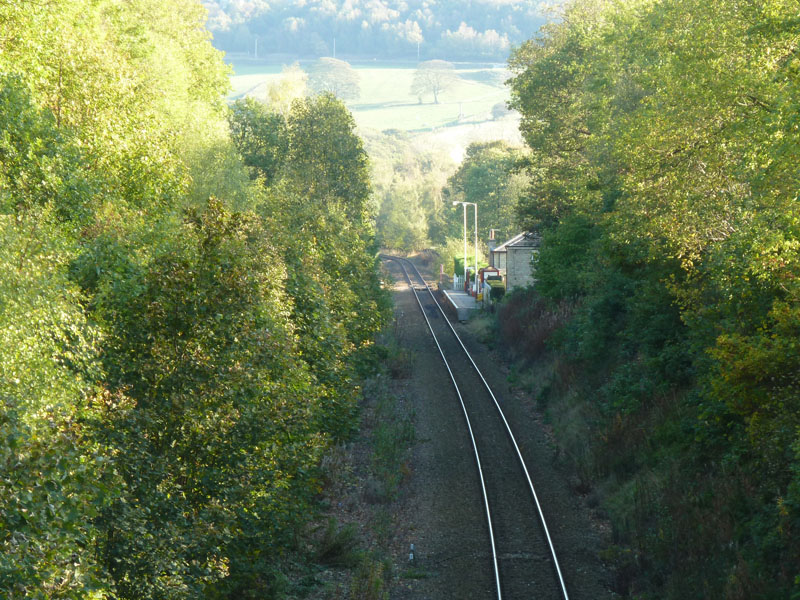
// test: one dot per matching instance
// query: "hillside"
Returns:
(390, 29)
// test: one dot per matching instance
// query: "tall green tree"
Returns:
(319, 210)
(661, 138)
(260, 136)
(490, 176)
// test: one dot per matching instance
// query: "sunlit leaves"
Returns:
(52, 480)
(41, 165)
(668, 132)
(167, 383)
(490, 176)
(319, 212)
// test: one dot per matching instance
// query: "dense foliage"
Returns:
(491, 176)
(188, 294)
(664, 146)
(408, 178)
(478, 29)
(415, 187)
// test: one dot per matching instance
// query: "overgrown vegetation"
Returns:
(408, 183)
(416, 195)
(664, 145)
(392, 435)
(189, 301)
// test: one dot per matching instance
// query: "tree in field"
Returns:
(291, 85)
(435, 77)
(334, 76)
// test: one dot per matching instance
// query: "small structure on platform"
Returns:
(514, 259)
(491, 285)
(486, 273)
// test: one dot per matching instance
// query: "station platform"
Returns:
(462, 302)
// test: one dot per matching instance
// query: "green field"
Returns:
(386, 101)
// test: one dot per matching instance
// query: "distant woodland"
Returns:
(476, 29)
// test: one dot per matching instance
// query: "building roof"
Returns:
(522, 240)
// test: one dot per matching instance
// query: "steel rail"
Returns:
(505, 421)
(469, 427)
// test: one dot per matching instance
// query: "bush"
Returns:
(498, 289)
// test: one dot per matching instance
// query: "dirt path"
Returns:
(440, 508)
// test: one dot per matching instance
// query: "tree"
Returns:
(260, 136)
(491, 177)
(435, 77)
(401, 222)
(291, 86)
(326, 159)
(328, 170)
(408, 181)
(334, 76)
(665, 182)
(167, 384)
(319, 214)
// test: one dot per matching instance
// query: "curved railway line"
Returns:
(523, 556)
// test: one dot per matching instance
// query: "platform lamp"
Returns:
(464, 204)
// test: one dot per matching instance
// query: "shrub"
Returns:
(498, 290)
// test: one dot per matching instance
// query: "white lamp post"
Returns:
(464, 204)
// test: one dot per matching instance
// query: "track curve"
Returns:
(523, 557)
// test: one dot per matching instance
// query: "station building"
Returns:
(514, 259)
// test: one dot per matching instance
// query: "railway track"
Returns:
(523, 557)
